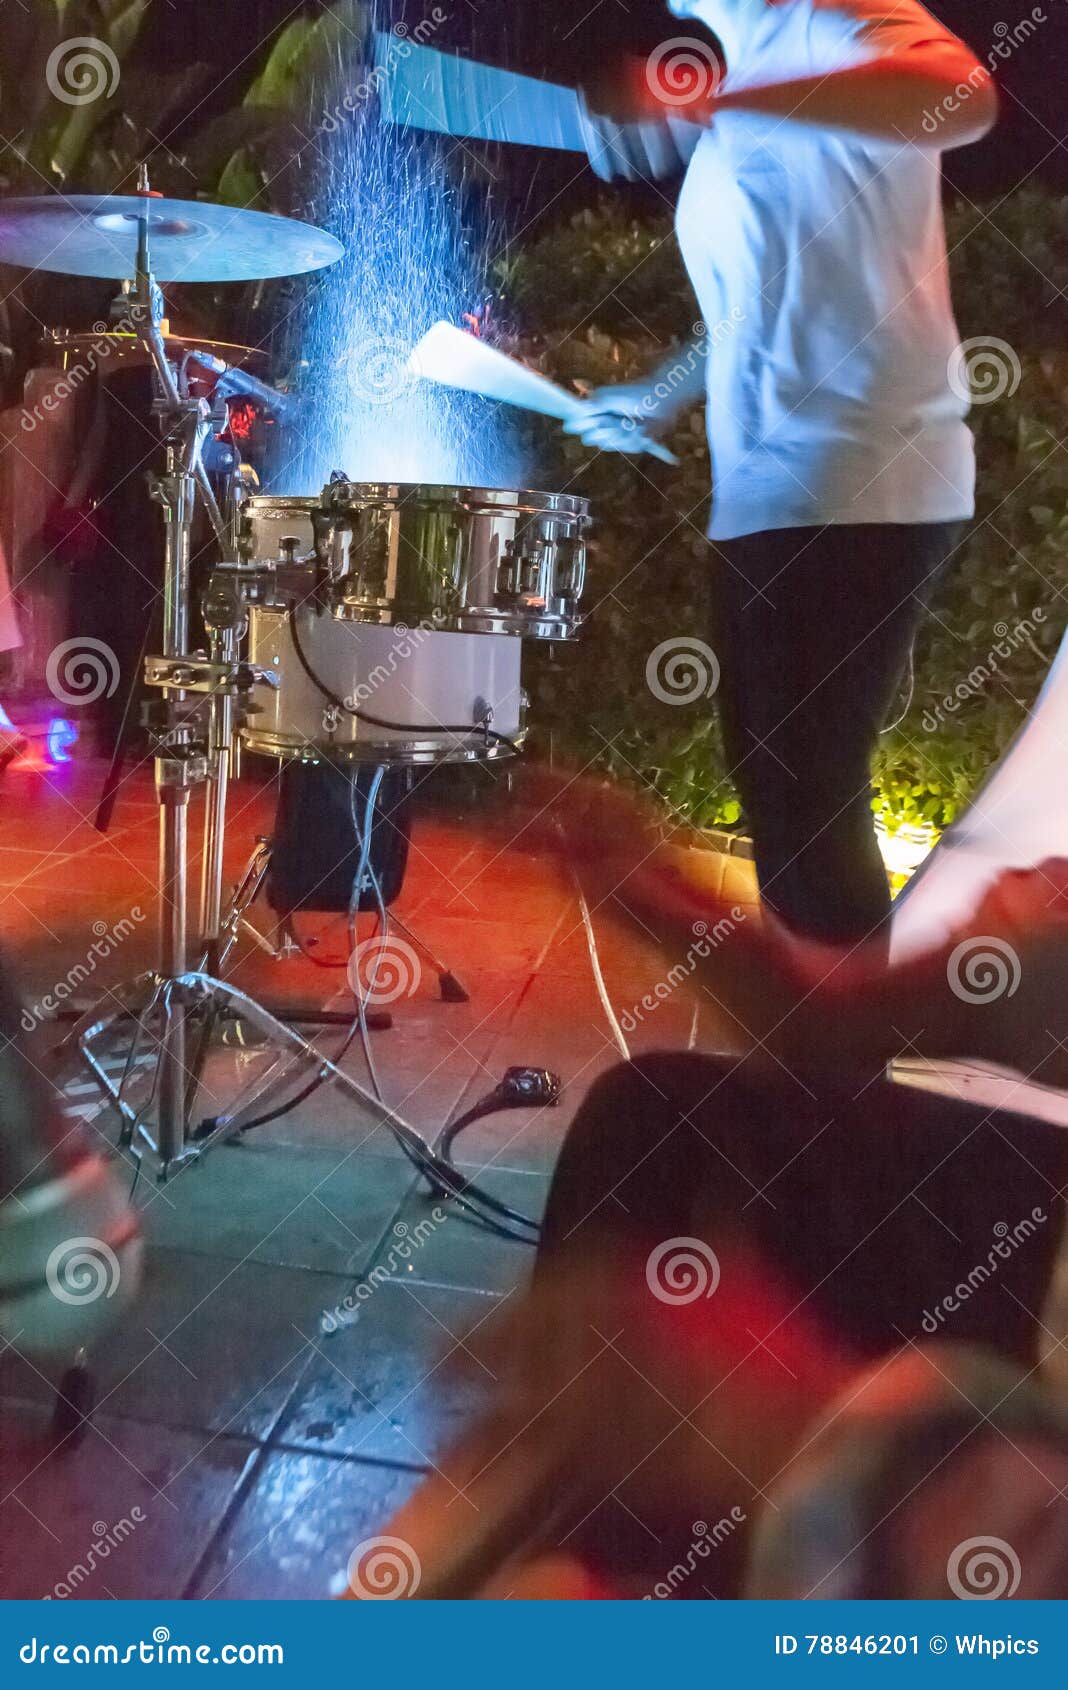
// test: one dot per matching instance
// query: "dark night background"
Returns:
(564, 39)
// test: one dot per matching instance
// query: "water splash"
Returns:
(394, 200)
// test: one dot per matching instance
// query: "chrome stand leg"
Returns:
(224, 649)
(452, 991)
(174, 1071)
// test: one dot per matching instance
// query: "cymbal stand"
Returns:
(175, 993)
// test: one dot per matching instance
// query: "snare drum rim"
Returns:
(528, 502)
(268, 502)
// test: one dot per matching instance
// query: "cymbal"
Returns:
(189, 240)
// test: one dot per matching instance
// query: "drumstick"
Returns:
(455, 358)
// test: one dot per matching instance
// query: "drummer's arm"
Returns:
(934, 95)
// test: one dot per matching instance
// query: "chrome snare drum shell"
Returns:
(471, 560)
(263, 521)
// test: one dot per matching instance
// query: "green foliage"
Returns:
(999, 616)
(154, 114)
(249, 155)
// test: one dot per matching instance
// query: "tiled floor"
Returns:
(246, 1438)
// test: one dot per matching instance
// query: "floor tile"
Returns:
(461, 1252)
(210, 1343)
(249, 1250)
(395, 1381)
(323, 1209)
(125, 1514)
(293, 1536)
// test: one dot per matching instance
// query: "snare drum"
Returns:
(469, 560)
(419, 681)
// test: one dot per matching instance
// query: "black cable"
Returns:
(380, 721)
(467, 1119)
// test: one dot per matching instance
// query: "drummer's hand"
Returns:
(623, 90)
(620, 418)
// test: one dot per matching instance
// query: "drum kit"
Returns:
(371, 627)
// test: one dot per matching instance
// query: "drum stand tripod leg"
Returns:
(452, 991)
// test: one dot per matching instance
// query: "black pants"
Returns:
(872, 1210)
(815, 628)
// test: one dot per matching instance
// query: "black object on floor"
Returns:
(316, 846)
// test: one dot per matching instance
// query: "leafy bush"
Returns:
(599, 300)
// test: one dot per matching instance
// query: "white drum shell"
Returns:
(408, 676)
